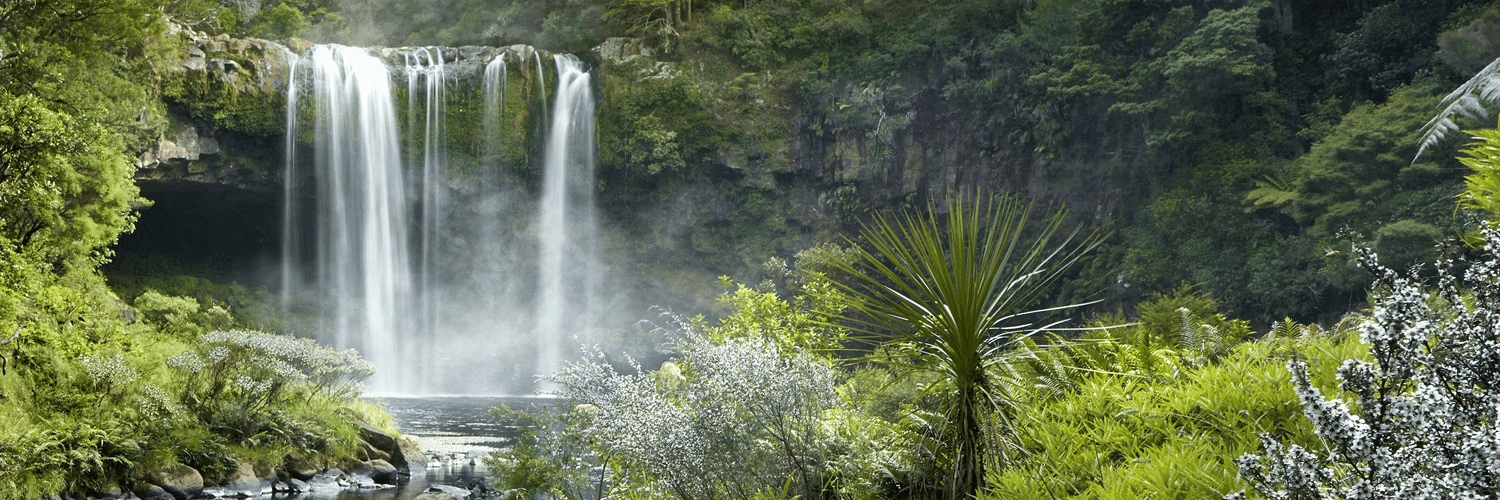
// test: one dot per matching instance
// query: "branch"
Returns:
(16, 335)
(5, 362)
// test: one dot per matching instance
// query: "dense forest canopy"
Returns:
(1225, 143)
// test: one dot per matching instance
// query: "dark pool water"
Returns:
(453, 432)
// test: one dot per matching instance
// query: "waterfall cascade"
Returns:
(445, 265)
(567, 223)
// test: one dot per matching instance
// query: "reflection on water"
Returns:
(454, 432)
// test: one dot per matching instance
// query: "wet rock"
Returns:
(412, 453)
(383, 472)
(453, 491)
(146, 491)
(400, 453)
(291, 486)
(434, 496)
(299, 467)
(325, 481)
(109, 491)
(370, 452)
(620, 50)
(180, 481)
(245, 482)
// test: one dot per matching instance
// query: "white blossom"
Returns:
(1429, 403)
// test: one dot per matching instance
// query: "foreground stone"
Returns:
(401, 453)
(383, 472)
(434, 496)
(180, 481)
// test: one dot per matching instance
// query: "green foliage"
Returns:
(247, 307)
(66, 182)
(546, 459)
(1358, 174)
(957, 294)
(1482, 184)
(180, 316)
(804, 323)
(656, 132)
(1391, 43)
(1174, 435)
(280, 22)
(1406, 243)
(1470, 48)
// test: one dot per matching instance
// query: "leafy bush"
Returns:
(547, 458)
(180, 316)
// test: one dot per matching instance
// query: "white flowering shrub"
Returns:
(239, 382)
(731, 418)
(1422, 422)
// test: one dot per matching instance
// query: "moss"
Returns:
(210, 99)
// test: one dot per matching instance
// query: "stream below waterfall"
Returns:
(454, 432)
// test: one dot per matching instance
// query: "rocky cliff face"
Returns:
(226, 108)
(755, 175)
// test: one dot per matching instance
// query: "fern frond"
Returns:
(1471, 100)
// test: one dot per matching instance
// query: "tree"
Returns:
(955, 292)
(66, 183)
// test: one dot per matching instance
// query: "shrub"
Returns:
(1421, 417)
(743, 419)
(263, 389)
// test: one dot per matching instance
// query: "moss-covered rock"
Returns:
(233, 84)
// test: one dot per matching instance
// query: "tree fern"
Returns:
(1471, 100)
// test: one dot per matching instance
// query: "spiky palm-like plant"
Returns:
(957, 291)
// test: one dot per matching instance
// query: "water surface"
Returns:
(454, 432)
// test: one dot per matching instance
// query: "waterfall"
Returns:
(427, 65)
(566, 224)
(362, 266)
(289, 223)
(445, 267)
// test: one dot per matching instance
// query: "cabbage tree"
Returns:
(956, 290)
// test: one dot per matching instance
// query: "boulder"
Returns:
(181, 481)
(387, 444)
(325, 481)
(110, 491)
(383, 472)
(244, 482)
(291, 486)
(147, 491)
(434, 496)
(453, 491)
(299, 467)
(411, 451)
(370, 452)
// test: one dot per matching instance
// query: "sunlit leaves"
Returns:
(66, 182)
(1482, 186)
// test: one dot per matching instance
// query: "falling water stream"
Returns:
(454, 276)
